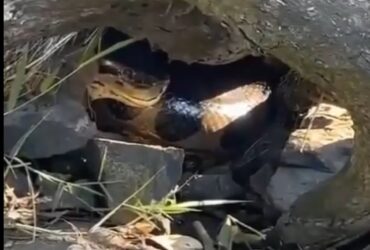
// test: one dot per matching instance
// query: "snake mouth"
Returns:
(124, 84)
(128, 92)
(142, 92)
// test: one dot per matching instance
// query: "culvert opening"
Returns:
(216, 113)
(213, 111)
(200, 99)
(206, 99)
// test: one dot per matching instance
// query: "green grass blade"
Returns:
(93, 44)
(19, 80)
(49, 80)
(107, 52)
(84, 64)
(123, 203)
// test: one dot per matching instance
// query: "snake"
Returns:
(141, 106)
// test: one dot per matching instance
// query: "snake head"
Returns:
(134, 83)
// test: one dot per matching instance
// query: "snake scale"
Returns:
(140, 106)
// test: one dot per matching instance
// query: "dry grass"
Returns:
(23, 219)
(28, 75)
(27, 70)
(17, 209)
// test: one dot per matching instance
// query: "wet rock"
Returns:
(129, 166)
(56, 129)
(210, 186)
(330, 139)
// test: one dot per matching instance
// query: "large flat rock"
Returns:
(129, 166)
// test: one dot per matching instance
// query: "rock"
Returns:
(60, 181)
(17, 179)
(73, 163)
(110, 136)
(74, 87)
(129, 166)
(72, 169)
(61, 195)
(59, 128)
(223, 187)
(218, 169)
(184, 224)
(176, 242)
(39, 245)
(330, 139)
(67, 127)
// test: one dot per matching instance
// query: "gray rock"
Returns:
(287, 184)
(58, 129)
(74, 87)
(212, 186)
(39, 245)
(331, 142)
(17, 179)
(218, 169)
(60, 195)
(129, 166)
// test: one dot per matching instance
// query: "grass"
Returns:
(27, 77)
(82, 65)
(21, 213)
(26, 70)
(25, 73)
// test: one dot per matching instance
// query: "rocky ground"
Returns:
(79, 174)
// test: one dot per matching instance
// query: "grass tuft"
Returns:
(28, 75)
